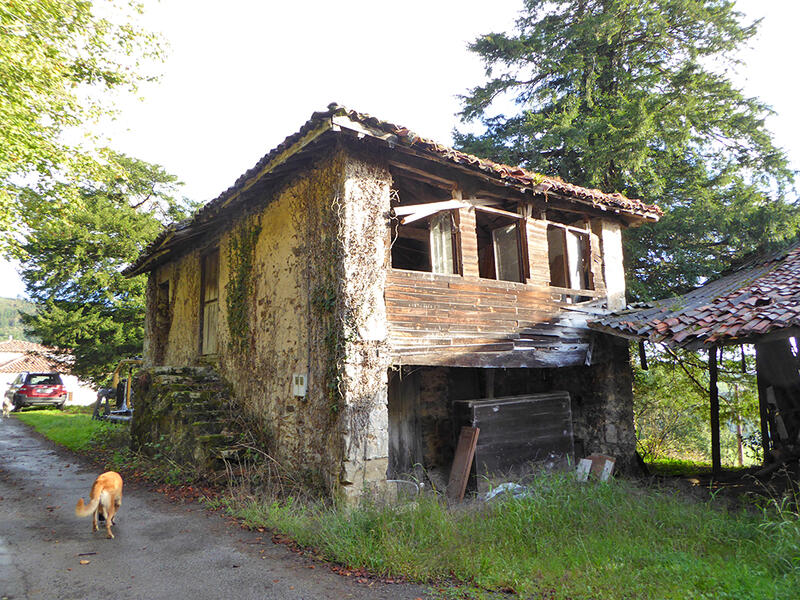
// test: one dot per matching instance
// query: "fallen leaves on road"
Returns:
(184, 493)
(83, 561)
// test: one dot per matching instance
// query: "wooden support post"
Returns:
(716, 462)
(642, 356)
(538, 254)
(762, 405)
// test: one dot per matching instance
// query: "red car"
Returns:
(37, 389)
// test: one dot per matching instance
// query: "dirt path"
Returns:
(161, 550)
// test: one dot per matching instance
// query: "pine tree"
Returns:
(635, 96)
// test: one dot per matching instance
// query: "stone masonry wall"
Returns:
(292, 320)
(364, 381)
(602, 402)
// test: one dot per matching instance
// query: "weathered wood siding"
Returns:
(519, 431)
(468, 241)
(469, 322)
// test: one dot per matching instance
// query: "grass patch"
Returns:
(676, 467)
(567, 540)
(108, 443)
(72, 428)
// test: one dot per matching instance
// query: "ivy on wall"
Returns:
(239, 289)
(323, 302)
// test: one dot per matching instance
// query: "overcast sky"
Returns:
(241, 75)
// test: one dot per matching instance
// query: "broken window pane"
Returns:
(426, 245)
(557, 253)
(569, 257)
(442, 244)
(577, 261)
(499, 250)
(506, 253)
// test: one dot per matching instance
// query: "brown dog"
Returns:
(8, 406)
(105, 499)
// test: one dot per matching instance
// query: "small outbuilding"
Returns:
(21, 356)
(758, 303)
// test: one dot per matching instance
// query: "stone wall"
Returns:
(602, 402)
(314, 306)
(289, 314)
(365, 360)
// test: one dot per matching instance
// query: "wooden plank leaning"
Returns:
(462, 463)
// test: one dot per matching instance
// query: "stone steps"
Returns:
(189, 409)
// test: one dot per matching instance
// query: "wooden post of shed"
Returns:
(716, 462)
(761, 382)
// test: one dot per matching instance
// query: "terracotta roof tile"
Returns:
(505, 174)
(22, 346)
(34, 362)
(758, 298)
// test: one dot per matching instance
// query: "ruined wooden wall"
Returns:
(471, 322)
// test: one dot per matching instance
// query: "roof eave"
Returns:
(146, 261)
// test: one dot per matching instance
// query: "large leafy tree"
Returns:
(74, 251)
(635, 96)
(60, 61)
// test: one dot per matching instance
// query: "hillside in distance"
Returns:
(10, 321)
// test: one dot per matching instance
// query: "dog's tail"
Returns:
(84, 510)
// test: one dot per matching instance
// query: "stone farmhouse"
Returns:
(365, 292)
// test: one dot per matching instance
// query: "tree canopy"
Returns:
(74, 253)
(59, 61)
(635, 96)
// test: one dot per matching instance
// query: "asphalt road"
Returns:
(161, 549)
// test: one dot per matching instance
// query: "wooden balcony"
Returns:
(457, 321)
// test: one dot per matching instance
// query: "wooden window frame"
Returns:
(204, 302)
(586, 236)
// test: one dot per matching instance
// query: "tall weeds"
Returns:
(564, 540)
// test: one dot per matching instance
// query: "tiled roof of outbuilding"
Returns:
(32, 363)
(395, 135)
(22, 346)
(759, 298)
(33, 357)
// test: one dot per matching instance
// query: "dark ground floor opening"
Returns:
(529, 418)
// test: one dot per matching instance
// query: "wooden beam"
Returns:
(415, 212)
(716, 462)
(762, 405)
(642, 356)
(426, 176)
(497, 211)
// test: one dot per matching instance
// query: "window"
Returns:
(162, 307)
(209, 302)
(442, 244)
(163, 320)
(426, 243)
(569, 251)
(499, 245)
(44, 379)
(506, 253)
